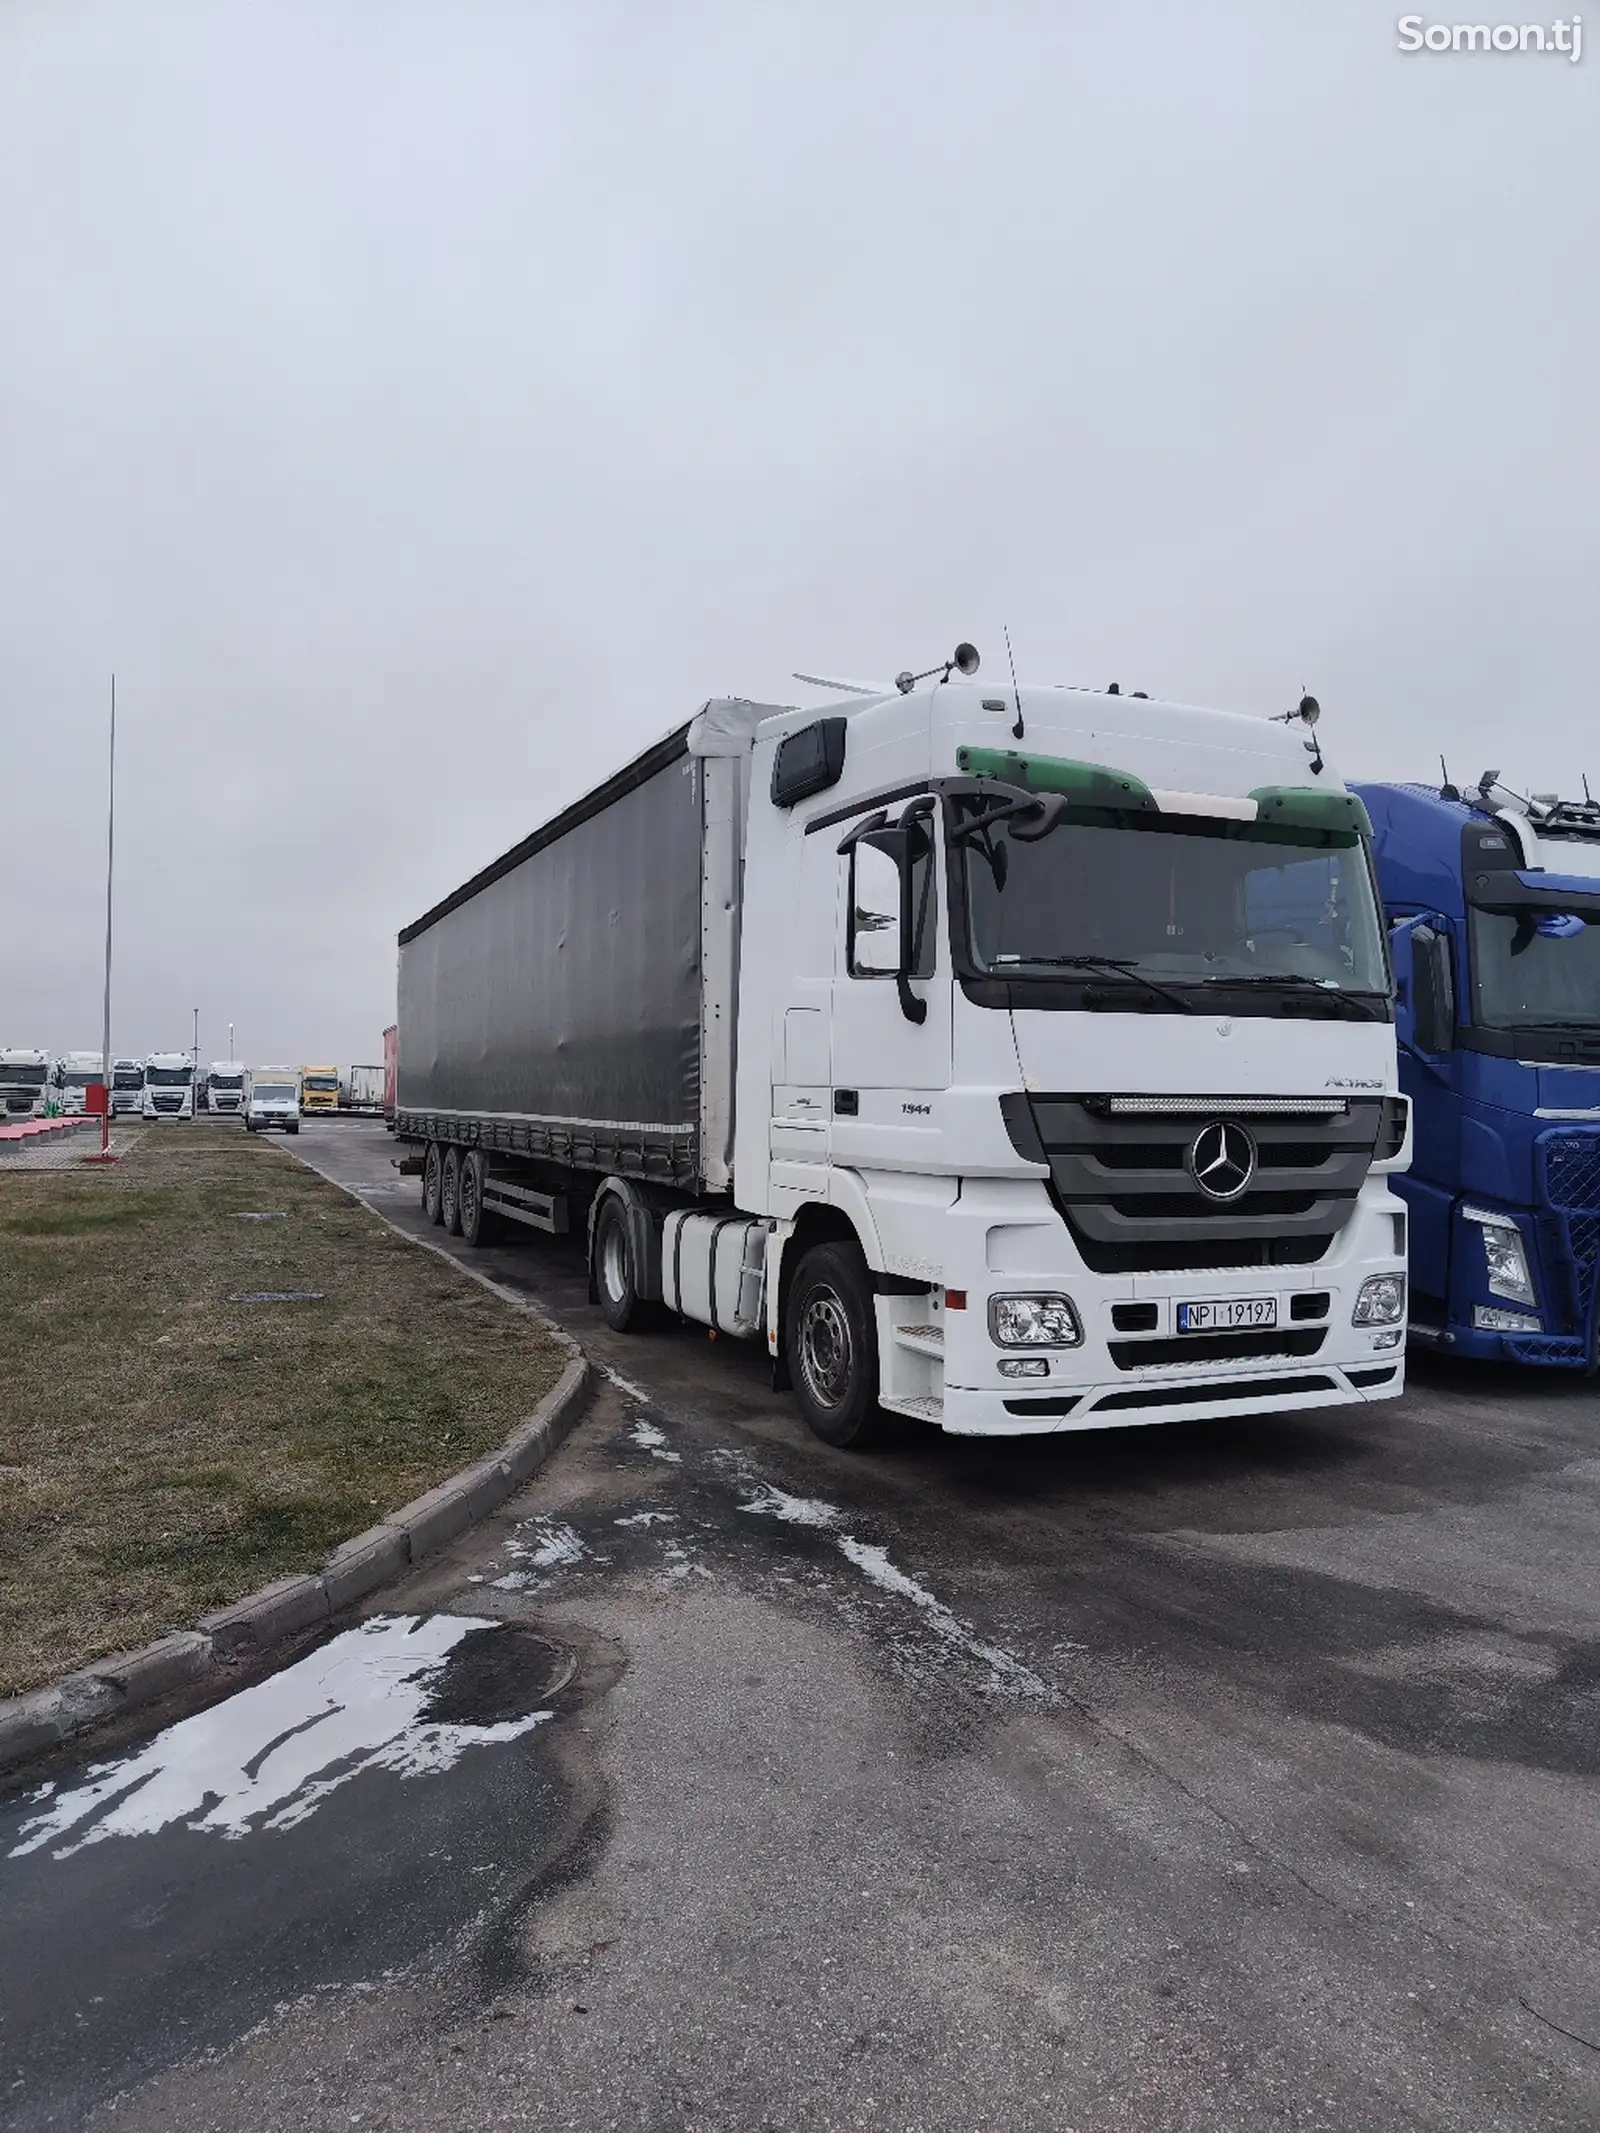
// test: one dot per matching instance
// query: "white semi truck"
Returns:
(168, 1085)
(74, 1074)
(1020, 1061)
(127, 1087)
(24, 1083)
(225, 1089)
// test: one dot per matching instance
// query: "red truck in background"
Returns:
(391, 1072)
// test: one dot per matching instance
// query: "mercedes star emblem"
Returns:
(1222, 1160)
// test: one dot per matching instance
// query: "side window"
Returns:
(891, 912)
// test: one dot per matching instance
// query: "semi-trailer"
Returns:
(361, 1089)
(948, 1043)
(1494, 904)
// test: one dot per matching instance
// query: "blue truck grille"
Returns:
(1570, 1167)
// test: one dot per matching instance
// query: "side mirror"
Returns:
(882, 923)
(1425, 994)
(877, 908)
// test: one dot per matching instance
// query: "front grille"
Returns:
(1216, 1347)
(1570, 1163)
(168, 1103)
(1121, 1180)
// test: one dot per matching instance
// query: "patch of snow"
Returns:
(793, 1510)
(654, 1441)
(268, 1757)
(648, 1518)
(554, 1543)
(1004, 1670)
(615, 1377)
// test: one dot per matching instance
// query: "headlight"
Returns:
(1034, 1322)
(1504, 1255)
(1381, 1301)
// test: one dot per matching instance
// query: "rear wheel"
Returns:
(450, 1192)
(616, 1278)
(831, 1337)
(477, 1224)
(432, 1180)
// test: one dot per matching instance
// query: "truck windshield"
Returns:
(168, 1077)
(1534, 971)
(325, 1084)
(272, 1092)
(1182, 903)
(223, 1083)
(128, 1078)
(25, 1077)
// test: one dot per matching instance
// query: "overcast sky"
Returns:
(422, 407)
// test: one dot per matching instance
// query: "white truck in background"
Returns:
(1017, 1061)
(361, 1089)
(272, 1099)
(24, 1083)
(168, 1086)
(127, 1087)
(225, 1089)
(74, 1074)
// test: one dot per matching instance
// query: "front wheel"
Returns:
(432, 1181)
(831, 1335)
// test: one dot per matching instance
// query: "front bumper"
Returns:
(1126, 1374)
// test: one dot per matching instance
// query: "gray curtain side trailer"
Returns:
(567, 1016)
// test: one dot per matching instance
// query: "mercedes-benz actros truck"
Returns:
(1018, 1062)
(1494, 902)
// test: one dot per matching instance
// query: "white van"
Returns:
(272, 1098)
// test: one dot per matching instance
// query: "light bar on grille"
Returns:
(1226, 1106)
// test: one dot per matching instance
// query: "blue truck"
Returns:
(1493, 905)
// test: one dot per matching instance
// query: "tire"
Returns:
(477, 1225)
(294, 1129)
(831, 1341)
(615, 1276)
(432, 1180)
(450, 1192)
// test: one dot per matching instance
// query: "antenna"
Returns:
(1447, 791)
(1586, 792)
(1016, 731)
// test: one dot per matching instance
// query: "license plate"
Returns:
(1228, 1314)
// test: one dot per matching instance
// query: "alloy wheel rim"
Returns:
(614, 1264)
(827, 1353)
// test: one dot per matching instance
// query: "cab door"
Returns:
(891, 1033)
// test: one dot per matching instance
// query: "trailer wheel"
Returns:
(432, 1180)
(831, 1341)
(477, 1224)
(450, 1192)
(616, 1279)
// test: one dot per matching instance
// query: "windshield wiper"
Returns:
(1285, 981)
(1129, 972)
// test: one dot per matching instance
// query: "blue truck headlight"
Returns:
(1380, 1301)
(1505, 1256)
(1034, 1322)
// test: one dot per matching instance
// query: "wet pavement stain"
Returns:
(328, 1828)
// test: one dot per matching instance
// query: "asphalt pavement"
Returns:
(1234, 1776)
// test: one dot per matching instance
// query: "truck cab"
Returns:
(127, 1087)
(24, 1083)
(1493, 905)
(74, 1075)
(168, 1086)
(224, 1089)
(319, 1090)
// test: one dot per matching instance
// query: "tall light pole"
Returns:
(111, 847)
(197, 1044)
(230, 1044)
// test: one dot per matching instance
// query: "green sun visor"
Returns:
(1084, 784)
(1310, 807)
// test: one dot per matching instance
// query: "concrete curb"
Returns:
(46, 1717)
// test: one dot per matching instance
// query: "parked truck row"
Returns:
(166, 1085)
(1019, 1061)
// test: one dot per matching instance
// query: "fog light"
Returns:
(1387, 1340)
(1487, 1319)
(1034, 1322)
(1505, 1256)
(1381, 1300)
(1024, 1366)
